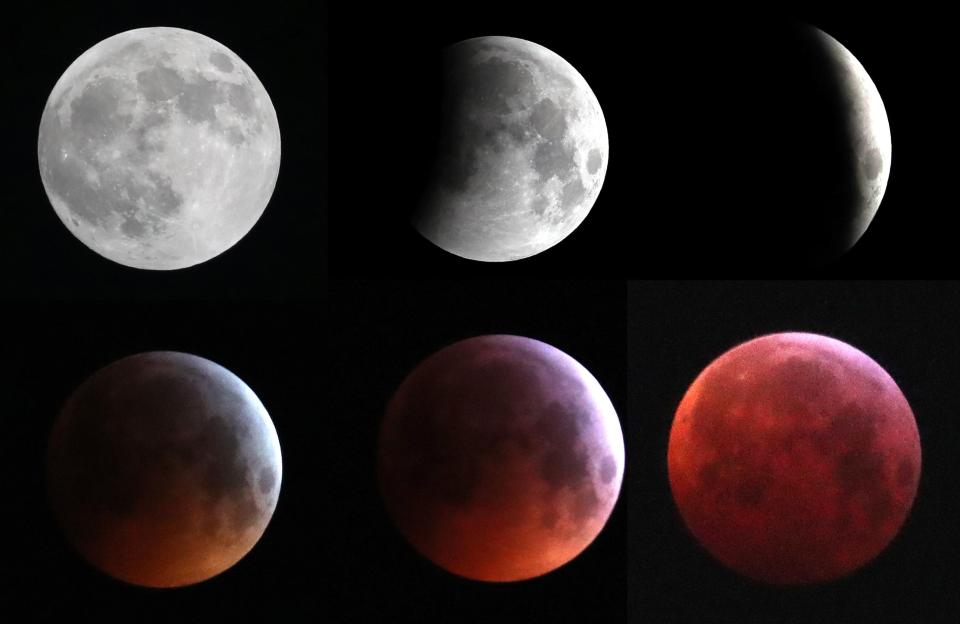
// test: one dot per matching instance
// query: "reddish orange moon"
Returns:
(500, 458)
(163, 469)
(794, 458)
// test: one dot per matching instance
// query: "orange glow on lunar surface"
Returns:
(163, 469)
(794, 458)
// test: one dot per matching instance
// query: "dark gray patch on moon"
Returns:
(160, 83)
(67, 178)
(266, 480)
(873, 164)
(132, 228)
(553, 159)
(608, 469)
(235, 136)
(520, 133)
(573, 193)
(594, 160)
(94, 112)
(198, 99)
(494, 82)
(241, 99)
(540, 204)
(221, 61)
(162, 196)
(548, 120)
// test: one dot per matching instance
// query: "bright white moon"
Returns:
(159, 148)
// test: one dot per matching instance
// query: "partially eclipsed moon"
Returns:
(523, 155)
(159, 148)
(163, 469)
(869, 130)
(794, 458)
(500, 458)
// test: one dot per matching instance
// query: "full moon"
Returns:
(794, 458)
(500, 458)
(523, 154)
(159, 148)
(163, 469)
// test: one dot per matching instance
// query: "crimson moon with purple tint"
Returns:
(794, 458)
(163, 469)
(500, 458)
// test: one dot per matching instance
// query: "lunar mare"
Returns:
(794, 458)
(869, 130)
(523, 154)
(500, 458)
(163, 469)
(159, 148)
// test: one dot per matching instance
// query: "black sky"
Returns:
(284, 256)
(677, 329)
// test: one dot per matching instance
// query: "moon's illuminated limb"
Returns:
(159, 148)
(524, 152)
(164, 469)
(500, 458)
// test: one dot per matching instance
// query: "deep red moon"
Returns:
(794, 458)
(500, 458)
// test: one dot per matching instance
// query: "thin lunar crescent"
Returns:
(523, 154)
(159, 148)
(870, 130)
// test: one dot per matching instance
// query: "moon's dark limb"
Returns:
(500, 458)
(794, 458)
(522, 154)
(163, 469)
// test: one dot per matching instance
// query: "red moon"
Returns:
(794, 458)
(500, 458)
